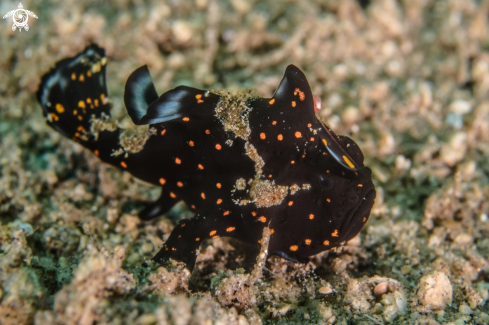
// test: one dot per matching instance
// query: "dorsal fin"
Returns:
(175, 103)
(139, 93)
(144, 106)
(294, 83)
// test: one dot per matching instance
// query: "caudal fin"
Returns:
(74, 92)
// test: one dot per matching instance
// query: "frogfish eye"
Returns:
(326, 183)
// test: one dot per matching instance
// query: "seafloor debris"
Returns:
(435, 291)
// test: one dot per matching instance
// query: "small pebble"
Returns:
(241, 6)
(351, 115)
(147, 248)
(182, 31)
(435, 291)
(463, 240)
(406, 269)
(465, 310)
(326, 290)
(381, 288)
(27, 228)
(146, 319)
(460, 106)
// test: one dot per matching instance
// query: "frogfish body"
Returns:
(238, 161)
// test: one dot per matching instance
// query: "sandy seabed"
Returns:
(407, 80)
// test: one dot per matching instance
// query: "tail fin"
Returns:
(75, 91)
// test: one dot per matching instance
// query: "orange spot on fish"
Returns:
(60, 108)
(348, 162)
(198, 97)
(53, 117)
(302, 96)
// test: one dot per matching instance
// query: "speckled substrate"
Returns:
(407, 80)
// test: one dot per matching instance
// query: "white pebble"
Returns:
(181, 31)
(483, 217)
(460, 106)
